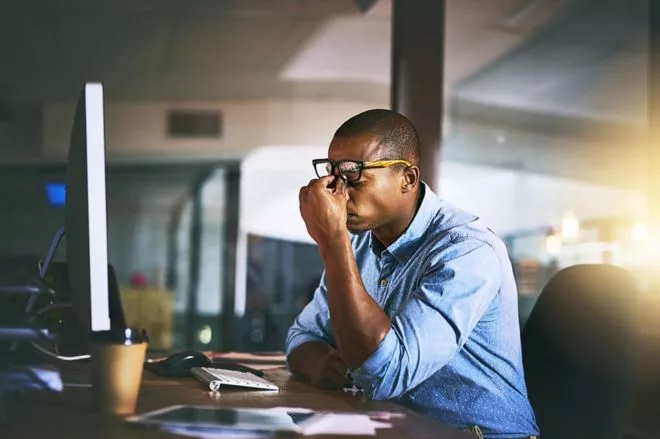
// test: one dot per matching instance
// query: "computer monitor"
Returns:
(86, 217)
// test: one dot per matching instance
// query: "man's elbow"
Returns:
(381, 389)
(296, 337)
(386, 382)
(384, 374)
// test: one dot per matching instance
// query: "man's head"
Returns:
(383, 195)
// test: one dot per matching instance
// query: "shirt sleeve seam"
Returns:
(462, 237)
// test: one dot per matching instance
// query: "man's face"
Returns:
(375, 199)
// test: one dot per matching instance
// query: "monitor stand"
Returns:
(71, 338)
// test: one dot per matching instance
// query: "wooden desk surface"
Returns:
(68, 415)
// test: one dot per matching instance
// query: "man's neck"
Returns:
(389, 233)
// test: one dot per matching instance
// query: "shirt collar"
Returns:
(431, 207)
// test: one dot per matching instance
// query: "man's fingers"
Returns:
(302, 194)
(340, 189)
(334, 370)
(336, 361)
(336, 377)
(326, 181)
(337, 364)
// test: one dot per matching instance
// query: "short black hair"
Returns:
(395, 133)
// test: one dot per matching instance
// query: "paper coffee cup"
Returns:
(117, 365)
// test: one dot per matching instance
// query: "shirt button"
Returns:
(383, 283)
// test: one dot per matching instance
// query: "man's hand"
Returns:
(324, 209)
(320, 364)
(329, 372)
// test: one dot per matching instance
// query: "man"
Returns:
(418, 304)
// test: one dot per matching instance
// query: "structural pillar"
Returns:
(418, 38)
(230, 321)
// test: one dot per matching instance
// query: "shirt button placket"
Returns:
(385, 273)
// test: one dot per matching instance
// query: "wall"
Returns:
(27, 221)
(140, 201)
(20, 136)
(511, 201)
(138, 130)
(507, 200)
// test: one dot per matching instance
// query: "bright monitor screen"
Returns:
(86, 218)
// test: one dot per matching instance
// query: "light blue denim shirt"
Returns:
(453, 351)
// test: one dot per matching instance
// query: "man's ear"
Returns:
(410, 179)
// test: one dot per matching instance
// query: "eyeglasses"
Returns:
(351, 170)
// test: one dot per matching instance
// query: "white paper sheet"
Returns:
(326, 423)
(344, 424)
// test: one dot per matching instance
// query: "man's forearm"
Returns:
(358, 323)
(306, 356)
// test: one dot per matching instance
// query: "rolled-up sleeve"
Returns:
(313, 322)
(458, 286)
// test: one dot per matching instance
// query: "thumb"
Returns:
(340, 188)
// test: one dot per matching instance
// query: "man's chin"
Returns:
(354, 225)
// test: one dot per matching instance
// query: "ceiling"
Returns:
(570, 101)
(533, 84)
(591, 64)
(152, 49)
(223, 49)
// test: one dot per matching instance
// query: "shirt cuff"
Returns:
(372, 371)
(299, 339)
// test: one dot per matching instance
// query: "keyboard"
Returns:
(215, 378)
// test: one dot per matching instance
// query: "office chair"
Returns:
(580, 349)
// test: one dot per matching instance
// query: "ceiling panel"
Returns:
(96, 6)
(273, 9)
(26, 43)
(116, 40)
(344, 49)
(468, 52)
(579, 66)
(226, 45)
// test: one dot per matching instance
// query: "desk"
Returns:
(68, 415)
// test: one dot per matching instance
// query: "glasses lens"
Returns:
(322, 169)
(350, 171)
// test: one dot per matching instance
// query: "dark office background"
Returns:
(544, 136)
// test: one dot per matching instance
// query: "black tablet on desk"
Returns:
(243, 419)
